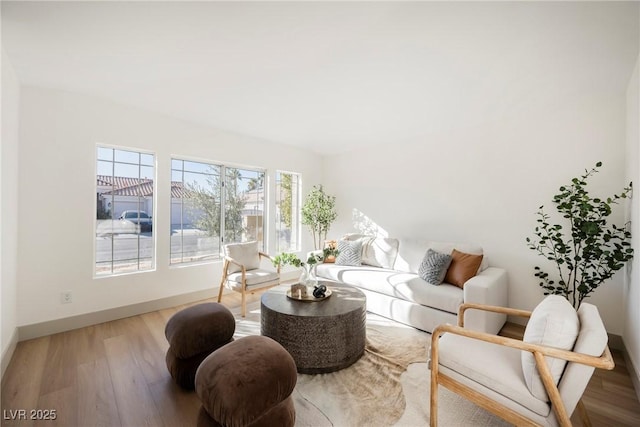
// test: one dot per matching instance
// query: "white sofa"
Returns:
(389, 278)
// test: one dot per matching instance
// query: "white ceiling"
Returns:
(328, 76)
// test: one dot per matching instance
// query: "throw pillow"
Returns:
(554, 322)
(349, 252)
(463, 267)
(434, 266)
(244, 253)
(467, 248)
(380, 251)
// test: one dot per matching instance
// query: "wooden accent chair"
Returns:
(525, 382)
(242, 271)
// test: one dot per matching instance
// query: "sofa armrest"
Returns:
(489, 287)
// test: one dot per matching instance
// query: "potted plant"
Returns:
(307, 277)
(318, 212)
(330, 250)
(591, 251)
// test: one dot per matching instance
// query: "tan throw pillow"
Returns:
(463, 267)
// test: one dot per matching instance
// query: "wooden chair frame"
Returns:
(605, 361)
(225, 274)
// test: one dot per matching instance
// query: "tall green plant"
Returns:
(318, 212)
(591, 252)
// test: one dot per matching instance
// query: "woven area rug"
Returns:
(388, 386)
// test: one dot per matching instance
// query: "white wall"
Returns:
(631, 301)
(484, 184)
(8, 205)
(59, 133)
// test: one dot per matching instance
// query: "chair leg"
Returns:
(243, 311)
(433, 408)
(224, 278)
(586, 422)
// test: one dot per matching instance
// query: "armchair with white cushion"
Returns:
(242, 271)
(538, 380)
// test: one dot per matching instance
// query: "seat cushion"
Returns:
(493, 366)
(554, 322)
(255, 279)
(244, 253)
(199, 328)
(406, 286)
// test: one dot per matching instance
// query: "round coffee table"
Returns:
(322, 336)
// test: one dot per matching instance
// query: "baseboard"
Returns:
(37, 330)
(42, 329)
(633, 372)
(7, 354)
(616, 343)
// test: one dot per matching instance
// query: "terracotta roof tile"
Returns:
(123, 186)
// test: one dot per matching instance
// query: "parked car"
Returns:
(139, 218)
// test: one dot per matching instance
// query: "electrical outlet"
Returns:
(66, 297)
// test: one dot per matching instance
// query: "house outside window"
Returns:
(287, 212)
(212, 205)
(195, 211)
(124, 239)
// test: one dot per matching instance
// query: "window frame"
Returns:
(297, 215)
(221, 236)
(154, 202)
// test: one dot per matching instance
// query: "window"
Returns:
(212, 205)
(244, 205)
(287, 212)
(124, 211)
(195, 211)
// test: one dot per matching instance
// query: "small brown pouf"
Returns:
(193, 333)
(247, 383)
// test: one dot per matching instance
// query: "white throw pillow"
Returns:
(376, 251)
(380, 252)
(554, 322)
(244, 253)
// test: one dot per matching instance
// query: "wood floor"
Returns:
(114, 374)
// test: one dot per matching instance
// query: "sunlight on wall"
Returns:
(366, 225)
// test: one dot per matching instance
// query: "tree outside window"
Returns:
(210, 210)
(287, 212)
